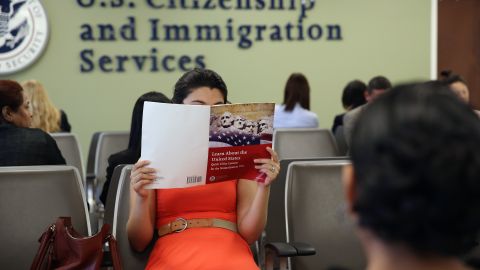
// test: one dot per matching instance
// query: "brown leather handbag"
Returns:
(61, 247)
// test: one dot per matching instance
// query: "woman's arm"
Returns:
(252, 199)
(141, 219)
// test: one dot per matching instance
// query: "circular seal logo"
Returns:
(23, 34)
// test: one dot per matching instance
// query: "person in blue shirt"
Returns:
(295, 110)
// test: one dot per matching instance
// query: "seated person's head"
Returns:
(137, 117)
(353, 95)
(297, 91)
(415, 181)
(457, 84)
(45, 115)
(14, 104)
(377, 86)
(200, 87)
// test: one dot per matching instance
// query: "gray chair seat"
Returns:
(31, 198)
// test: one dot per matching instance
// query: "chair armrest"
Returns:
(281, 249)
(303, 249)
(291, 249)
(277, 253)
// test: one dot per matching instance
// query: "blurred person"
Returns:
(376, 87)
(21, 145)
(295, 110)
(458, 85)
(413, 184)
(240, 205)
(45, 115)
(132, 153)
(353, 96)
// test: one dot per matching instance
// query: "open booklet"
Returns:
(191, 145)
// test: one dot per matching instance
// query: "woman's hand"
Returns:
(270, 167)
(141, 175)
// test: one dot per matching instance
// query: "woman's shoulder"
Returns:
(306, 112)
(34, 133)
(279, 107)
(123, 157)
(35, 137)
(24, 134)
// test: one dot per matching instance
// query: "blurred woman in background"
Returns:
(353, 96)
(295, 110)
(458, 85)
(132, 153)
(45, 115)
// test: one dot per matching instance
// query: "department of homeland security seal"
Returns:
(23, 34)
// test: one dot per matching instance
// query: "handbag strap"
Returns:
(112, 244)
(46, 241)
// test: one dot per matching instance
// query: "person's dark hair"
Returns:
(135, 141)
(416, 157)
(378, 82)
(296, 91)
(448, 77)
(10, 95)
(197, 78)
(353, 94)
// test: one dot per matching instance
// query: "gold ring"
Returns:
(272, 169)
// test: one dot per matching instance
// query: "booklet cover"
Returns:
(191, 145)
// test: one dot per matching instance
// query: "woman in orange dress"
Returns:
(222, 218)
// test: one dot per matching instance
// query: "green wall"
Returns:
(388, 37)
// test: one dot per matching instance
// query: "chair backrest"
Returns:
(110, 203)
(304, 143)
(130, 258)
(70, 148)
(341, 142)
(275, 230)
(31, 198)
(315, 212)
(102, 146)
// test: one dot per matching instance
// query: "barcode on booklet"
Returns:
(194, 179)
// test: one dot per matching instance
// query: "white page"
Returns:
(175, 140)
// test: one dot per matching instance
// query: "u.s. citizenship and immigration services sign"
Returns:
(23, 34)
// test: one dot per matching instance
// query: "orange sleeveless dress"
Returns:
(200, 248)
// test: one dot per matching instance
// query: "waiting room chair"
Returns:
(130, 258)
(70, 148)
(341, 142)
(316, 214)
(304, 143)
(112, 193)
(275, 230)
(32, 198)
(102, 145)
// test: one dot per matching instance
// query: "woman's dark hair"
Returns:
(448, 77)
(10, 95)
(353, 94)
(297, 90)
(196, 78)
(416, 155)
(135, 141)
